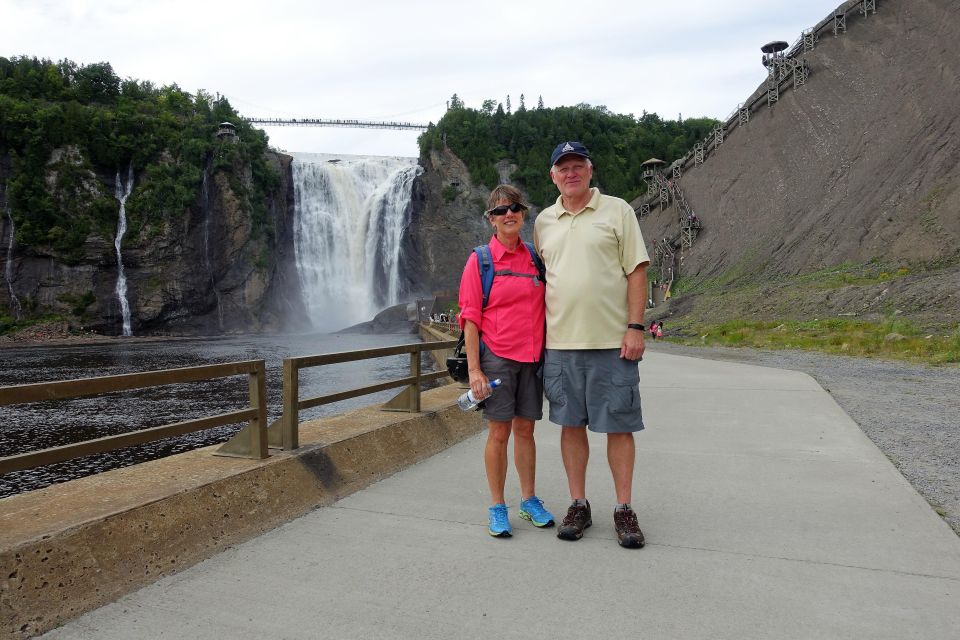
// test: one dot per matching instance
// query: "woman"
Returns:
(504, 340)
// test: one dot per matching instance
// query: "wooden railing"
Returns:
(452, 327)
(251, 442)
(284, 433)
(253, 445)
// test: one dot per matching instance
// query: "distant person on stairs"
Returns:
(504, 339)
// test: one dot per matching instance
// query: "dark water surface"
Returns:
(33, 426)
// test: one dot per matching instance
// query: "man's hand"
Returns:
(632, 347)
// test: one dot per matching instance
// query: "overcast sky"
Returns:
(389, 60)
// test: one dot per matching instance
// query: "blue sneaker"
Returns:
(532, 509)
(499, 523)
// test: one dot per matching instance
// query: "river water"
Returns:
(35, 426)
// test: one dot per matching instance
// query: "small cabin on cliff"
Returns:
(227, 132)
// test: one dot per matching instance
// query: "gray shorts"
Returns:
(594, 387)
(520, 393)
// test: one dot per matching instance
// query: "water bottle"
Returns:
(468, 403)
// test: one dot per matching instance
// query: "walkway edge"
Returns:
(76, 546)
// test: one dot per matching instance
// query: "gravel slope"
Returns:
(911, 412)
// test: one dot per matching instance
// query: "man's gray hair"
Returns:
(589, 164)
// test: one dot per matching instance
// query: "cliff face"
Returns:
(447, 222)
(213, 270)
(862, 163)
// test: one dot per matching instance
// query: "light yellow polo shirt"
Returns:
(588, 256)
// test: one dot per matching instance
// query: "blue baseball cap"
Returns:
(568, 149)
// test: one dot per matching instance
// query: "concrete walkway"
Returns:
(767, 512)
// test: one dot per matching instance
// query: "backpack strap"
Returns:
(485, 265)
(537, 262)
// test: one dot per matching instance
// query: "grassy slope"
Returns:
(863, 310)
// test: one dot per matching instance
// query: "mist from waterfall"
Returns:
(350, 214)
(122, 192)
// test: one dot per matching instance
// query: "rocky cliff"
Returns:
(210, 270)
(448, 222)
(860, 164)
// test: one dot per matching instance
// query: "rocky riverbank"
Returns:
(47, 332)
(61, 333)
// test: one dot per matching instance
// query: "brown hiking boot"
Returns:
(628, 530)
(577, 519)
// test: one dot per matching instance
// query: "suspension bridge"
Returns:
(329, 122)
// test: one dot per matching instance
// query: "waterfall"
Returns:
(208, 263)
(350, 215)
(122, 192)
(15, 308)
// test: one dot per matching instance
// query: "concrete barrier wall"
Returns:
(72, 547)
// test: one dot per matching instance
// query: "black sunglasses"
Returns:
(516, 207)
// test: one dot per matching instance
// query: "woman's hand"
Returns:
(479, 384)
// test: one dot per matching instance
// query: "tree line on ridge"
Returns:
(618, 143)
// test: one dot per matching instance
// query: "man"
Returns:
(596, 289)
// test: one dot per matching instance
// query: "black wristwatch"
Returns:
(636, 325)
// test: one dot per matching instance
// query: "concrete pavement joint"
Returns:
(398, 515)
(806, 561)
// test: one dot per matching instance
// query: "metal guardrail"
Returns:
(253, 445)
(284, 433)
